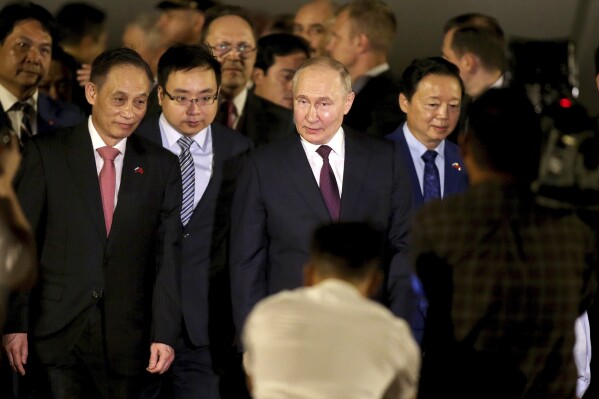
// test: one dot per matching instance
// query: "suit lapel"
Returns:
(131, 187)
(453, 176)
(355, 166)
(80, 157)
(293, 159)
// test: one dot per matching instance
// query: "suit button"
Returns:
(97, 294)
(186, 235)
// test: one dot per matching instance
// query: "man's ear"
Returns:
(469, 63)
(160, 93)
(258, 76)
(90, 92)
(403, 103)
(362, 43)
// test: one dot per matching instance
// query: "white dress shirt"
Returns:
(97, 142)
(7, 99)
(336, 157)
(327, 341)
(582, 353)
(417, 149)
(201, 152)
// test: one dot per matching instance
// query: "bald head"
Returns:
(311, 22)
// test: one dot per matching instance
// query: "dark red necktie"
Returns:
(328, 183)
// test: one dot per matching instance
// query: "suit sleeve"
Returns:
(31, 191)
(402, 284)
(249, 243)
(166, 296)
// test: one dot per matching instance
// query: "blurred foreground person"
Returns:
(505, 278)
(328, 340)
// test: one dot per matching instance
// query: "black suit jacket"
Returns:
(136, 267)
(264, 121)
(376, 107)
(205, 280)
(278, 205)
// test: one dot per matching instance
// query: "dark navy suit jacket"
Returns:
(455, 180)
(205, 297)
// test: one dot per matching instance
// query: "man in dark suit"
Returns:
(324, 173)
(230, 33)
(431, 91)
(26, 38)
(188, 84)
(105, 208)
(360, 39)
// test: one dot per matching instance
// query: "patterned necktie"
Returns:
(328, 183)
(431, 183)
(108, 183)
(188, 177)
(228, 113)
(25, 130)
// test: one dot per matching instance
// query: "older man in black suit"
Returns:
(323, 173)
(105, 208)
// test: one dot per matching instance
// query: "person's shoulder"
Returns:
(149, 148)
(352, 135)
(230, 136)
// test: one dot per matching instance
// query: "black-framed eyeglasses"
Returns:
(186, 101)
(243, 49)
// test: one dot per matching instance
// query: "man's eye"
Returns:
(180, 99)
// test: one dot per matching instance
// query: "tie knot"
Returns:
(108, 153)
(21, 106)
(324, 151)
(185, 142)
(429, 156)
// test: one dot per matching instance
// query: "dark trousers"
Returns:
(191, 375)
(84, 371)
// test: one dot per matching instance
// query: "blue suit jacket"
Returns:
(455, 181)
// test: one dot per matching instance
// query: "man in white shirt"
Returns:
(328, 340)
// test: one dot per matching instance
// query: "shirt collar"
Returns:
(377, 70)
(172, 135)
(337, 144)
(7, 99)
(240, 100)
(416, 146)
(97, 141)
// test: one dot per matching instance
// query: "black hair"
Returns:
(186, 57)
(278, 44)
(421, 68)
(77, 20)
(109, 59)
(505, 134)
(348, 250)
(13, 13)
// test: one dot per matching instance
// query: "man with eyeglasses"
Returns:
(229, 32)
(188, 88)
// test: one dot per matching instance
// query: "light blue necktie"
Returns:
(188, 177)
(431, 183)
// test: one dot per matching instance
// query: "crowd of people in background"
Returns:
(229, 207)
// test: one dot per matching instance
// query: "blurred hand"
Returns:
(83, 74)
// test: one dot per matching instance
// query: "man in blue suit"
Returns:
(431, 92)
